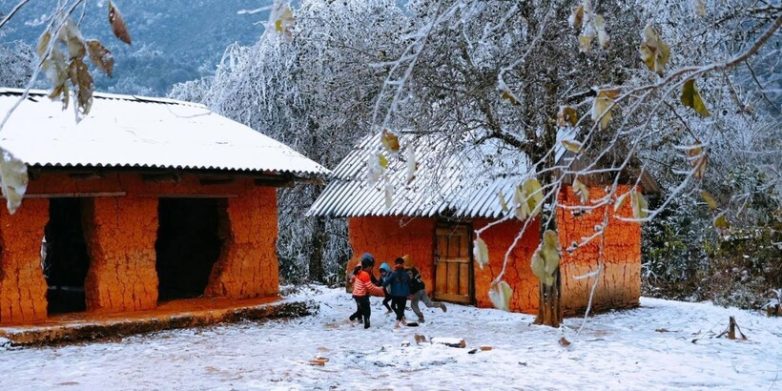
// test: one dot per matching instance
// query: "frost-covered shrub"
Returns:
(686, 257)
(675, 252)
(16, 64)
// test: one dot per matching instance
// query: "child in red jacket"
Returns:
(363, 288)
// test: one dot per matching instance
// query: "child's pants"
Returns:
(398, 305)
(362, 308)
(422, 296)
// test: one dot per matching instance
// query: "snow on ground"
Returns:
(662, 345)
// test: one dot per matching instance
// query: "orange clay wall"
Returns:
(390, 237)
(248, 264)
(120, 235)
(619, 284)
(121, 230)
(518, 273)
(22, 285)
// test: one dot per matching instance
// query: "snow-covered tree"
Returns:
(642, 82)
(308, 82)
(17, 61)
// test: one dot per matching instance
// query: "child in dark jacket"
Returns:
(385, 271)
(399, 283)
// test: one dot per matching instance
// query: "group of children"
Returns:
(395, 285)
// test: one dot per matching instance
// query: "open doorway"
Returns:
(188, 245)
(64, 256)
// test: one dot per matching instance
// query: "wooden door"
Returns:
(453, 280)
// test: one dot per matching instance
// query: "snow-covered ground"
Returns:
(662, 345)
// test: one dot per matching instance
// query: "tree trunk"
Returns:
(316, 255)
(549, 310)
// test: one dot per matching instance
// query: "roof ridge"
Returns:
(5, 91)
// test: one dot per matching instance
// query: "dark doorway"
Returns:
(65, 260)
(188, 244)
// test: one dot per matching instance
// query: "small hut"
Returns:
(142, 201)
(433, 216)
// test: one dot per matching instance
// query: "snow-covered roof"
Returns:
(123, 131)
(461, 179)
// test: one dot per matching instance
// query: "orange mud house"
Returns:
(432, 218)
(140, 202)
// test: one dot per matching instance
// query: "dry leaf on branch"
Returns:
(81, 78)
(567, 116)
(390, 141)
(655, 53)
(500, 295)
(692, 98)
(118, 25)
(601, 106)
(100, 56)
(13, 180)
(480, 252)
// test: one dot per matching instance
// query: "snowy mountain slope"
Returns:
(173, 40)
(662, 345)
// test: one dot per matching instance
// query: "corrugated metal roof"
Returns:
(458, 178)
(137, 132)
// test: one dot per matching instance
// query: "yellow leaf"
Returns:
(601, 106)
(585, 43)
(500, 295)
(533, 194)
(567, 116)
(390, 141)
(721, 222)
(283, 22)
(43, 44)
(508, 96)
(710, 200)
(480, 252)
(538, 266)
(546, 258)
(550, 251)
(581, 191)
(692, 98)
(13, 180)
(698, 159)
(640, 206)
(654, 52)
(118, 25)
(576, 19)
(520, 202)
(572, 145)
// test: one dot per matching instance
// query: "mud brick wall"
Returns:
(248, 265)
(619, 285)
(120, 233)
(22, 285)
(518, 273)
(390, 237)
